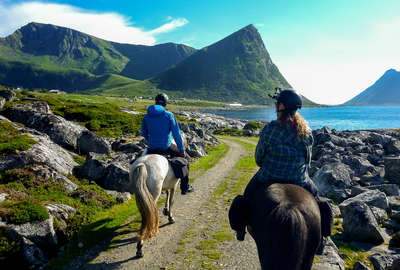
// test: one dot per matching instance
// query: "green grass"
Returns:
(12, 141)
(214, 154)
(23, 212)
(353, 255)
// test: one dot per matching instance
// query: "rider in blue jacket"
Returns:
(158, 127)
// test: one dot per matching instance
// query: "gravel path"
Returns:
(159, 251)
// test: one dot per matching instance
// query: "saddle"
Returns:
(179, 164)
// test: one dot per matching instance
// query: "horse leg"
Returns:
(139, 252)
(166, 206)
(171, 201)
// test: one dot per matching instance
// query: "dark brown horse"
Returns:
(284, 221)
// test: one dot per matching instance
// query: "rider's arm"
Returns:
(263, 144)
(176, 133)
(145, 132)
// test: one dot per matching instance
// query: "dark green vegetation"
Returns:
(385, 91)
(23, 212)
(12, 141)
(237, 68)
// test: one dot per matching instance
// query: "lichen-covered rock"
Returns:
(47, 173)
(2, 102)
(41, 233)
(43, 152)
(120, 197)
(359, 223)
(37, 115)
(32, 255)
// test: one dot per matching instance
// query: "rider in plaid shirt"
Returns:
(281, 155)
(283, 152)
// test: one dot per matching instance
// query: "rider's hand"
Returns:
(182, 154)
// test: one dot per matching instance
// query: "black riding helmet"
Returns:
(162, 99)
(290, 99)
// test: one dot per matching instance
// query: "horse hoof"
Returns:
(165, 212)
(171, 220)
(139, 254)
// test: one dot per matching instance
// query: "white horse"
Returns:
(149, 175)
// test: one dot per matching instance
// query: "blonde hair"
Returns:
(303, 130)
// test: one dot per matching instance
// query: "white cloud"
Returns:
(169, 26)
(106, 25)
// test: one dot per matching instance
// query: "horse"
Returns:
(285, 222)
(148, 176)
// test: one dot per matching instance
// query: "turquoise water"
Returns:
(340, 118)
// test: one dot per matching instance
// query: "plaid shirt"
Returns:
(281, 155)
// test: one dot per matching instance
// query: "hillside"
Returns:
(385, 91)
(236, 68)
(53, 46)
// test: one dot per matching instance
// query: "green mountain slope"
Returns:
(237, 68)
(385, 91)
(53, 46)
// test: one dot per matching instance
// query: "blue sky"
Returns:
(330, 50)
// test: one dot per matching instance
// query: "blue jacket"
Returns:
(158, 126)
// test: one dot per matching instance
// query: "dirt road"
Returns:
(190, 210)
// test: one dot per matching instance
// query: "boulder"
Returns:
(388, 189)
(61, 211)
(392, 169)
(44, 152)
(8, 95)
(360, 266)
(120, 197)
(384, 262)
(374, 198)
(94, 167)
(359, 165)
(196, 150)
(335, 176)
(45, 172)
(330, 258)
(37, 115)
(116, 178)
(359, 223)
(128, 147)
(41, 233)
(392, 147)
(90, 142)
(32, 255)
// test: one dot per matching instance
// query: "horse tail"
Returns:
(145, 202)
(292, 239)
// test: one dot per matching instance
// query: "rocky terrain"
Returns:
(359, 171)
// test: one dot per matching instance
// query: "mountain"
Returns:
(385, 91)
(236, 68)
(56, 47)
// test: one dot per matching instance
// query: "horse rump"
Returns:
(238, 216)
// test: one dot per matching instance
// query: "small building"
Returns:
(235, 104)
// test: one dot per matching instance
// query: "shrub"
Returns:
(9, 250)
(253, 125)
(23, 212)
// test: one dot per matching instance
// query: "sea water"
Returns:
(340, 118)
